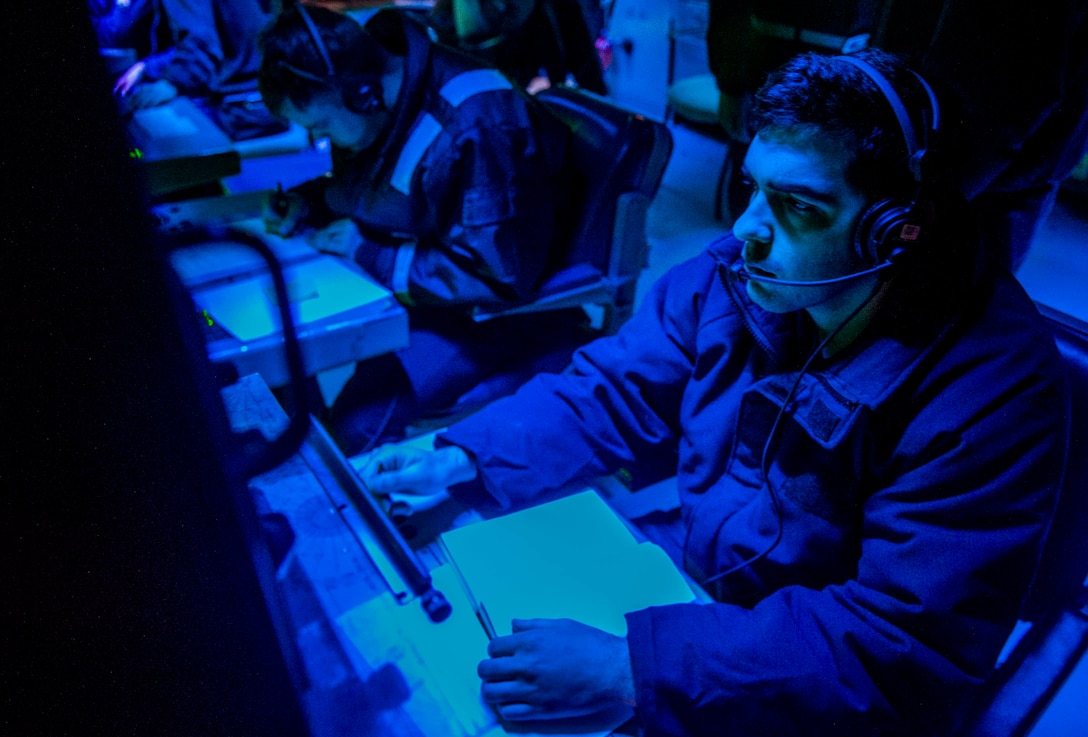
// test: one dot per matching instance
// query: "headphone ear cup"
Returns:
(885, 230)
(365, 97)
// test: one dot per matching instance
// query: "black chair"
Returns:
(1056, 614)
(619, 158)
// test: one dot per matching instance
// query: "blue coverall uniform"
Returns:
(884, 538)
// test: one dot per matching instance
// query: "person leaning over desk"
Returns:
(868, 430)
(447, 187)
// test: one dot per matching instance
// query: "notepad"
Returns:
(571, 558)
(233, 285)
(217, 259)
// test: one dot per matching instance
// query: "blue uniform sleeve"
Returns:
(617, 402)
(215, 47)
(193, 62)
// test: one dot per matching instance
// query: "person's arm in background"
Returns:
(1013, 88)
(618, 402)
(193, 62)
(1012, 71)
(187, 67)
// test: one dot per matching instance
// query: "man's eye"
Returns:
(749, 187)
(802, 206)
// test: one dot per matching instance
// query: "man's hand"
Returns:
(150, 94)
(129, 79)
(340, 238)
(555, 668)
(283, 212)
(403, 469)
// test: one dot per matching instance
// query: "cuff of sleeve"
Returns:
(472, 494)
(318, 214)
(390, 266)
(376, 260)
(156, 66)
(639, 640)
(640, 650)
(153, 66)
(402, 269)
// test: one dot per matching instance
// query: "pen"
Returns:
(485, 621)
(280, 203)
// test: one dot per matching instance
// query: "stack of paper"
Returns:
(572, 558)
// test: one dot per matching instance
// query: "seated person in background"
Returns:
(537, 42)
(868, 447)
(446, 187)
(212, 56)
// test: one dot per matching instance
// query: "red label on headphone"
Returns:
(910, 232)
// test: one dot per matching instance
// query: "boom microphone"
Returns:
(740, 275)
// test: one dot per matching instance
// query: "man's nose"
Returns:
(754, 224)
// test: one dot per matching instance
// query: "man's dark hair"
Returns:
(293, 69)
(818, 95)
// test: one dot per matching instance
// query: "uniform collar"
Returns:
(864, 373)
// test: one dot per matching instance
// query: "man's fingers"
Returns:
(521, 625)
(383, 460)
(520, 711)
(502, 647)
(384, 479)
(498, 670)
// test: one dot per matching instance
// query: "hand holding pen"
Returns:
(283, 212)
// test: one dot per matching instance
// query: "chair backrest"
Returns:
(618, 159)
(1056, 640)
(1064, 565)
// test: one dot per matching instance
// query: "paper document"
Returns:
(440, 659)
(203, 263)
(233, 284)
(316, 289)
(571, 558)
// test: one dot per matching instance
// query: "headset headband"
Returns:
(916, 147)
(357, 92)
(322, 51)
